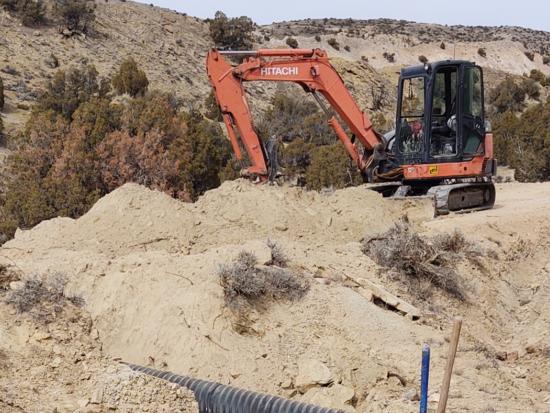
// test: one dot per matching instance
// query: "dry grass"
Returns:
(422, 263)
(248, 287)
(7, 275)
(42, 298)
(278, 256)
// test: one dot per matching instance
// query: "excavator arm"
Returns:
(309, 68)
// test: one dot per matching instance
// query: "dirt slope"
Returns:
(146, 266)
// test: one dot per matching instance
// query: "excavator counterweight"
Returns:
(440, 146)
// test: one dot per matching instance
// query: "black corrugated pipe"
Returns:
(219, 398)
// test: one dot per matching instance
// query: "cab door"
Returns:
(472, 122)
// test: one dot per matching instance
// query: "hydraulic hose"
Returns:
(218, 398)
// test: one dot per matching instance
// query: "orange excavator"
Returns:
(441, 146)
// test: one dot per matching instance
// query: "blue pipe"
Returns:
(424, 378)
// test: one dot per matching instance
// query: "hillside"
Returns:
(505, 46)
(171, 48)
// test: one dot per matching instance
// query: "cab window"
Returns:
(412, 116)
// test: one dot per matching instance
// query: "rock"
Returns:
(37, 33)
(500, 355)
(94, 334)
(51, 61)
(512, 356)
(56, 362)
(260, 250)
(411, 395)
(97, 396)
(83, 402)
(336, 397)
(41, 336)
(312, 373)
(17, 285)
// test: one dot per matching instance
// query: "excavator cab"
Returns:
(440, 115)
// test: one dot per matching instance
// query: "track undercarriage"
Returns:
(448, 197)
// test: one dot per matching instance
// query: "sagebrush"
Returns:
(422, 263)
(42, 298)
(248, 287)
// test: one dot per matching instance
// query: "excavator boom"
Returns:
(311, 69)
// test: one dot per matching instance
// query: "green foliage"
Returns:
(212, 109)
(530, 56)
(232, 33)
(537, 76)
(31, 12)
(524, 142)
(507, 96)
(331, 167)
(292, 42)
(334, 43)
(69, 89)
(76, 15)
(1, 94)
(62, 164)
(130, 79)
(482, 52)
(297, 156)
(294, 117)
(531, 88)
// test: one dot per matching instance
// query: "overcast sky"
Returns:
(527, 13)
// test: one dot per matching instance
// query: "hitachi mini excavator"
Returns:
(441, 145)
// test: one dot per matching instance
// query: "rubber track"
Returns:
(218, 398)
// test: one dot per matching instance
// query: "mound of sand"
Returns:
(132, 217)
(146, 266)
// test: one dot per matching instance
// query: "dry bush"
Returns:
(130, 79)
(43, 299)
(482, 52)
(530, 56)
(292, 42)
(454, 242)
(248, 287)
(390, 57)
(7, 275)
(278, 256)
(75, 15)
(420, 263)
(334, 43)
(232, 33)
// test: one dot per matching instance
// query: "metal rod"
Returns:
(453, 345)
(269, 52)
(424, 378)
(238, 52)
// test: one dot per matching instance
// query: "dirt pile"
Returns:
(147, 268)
(56, 364)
